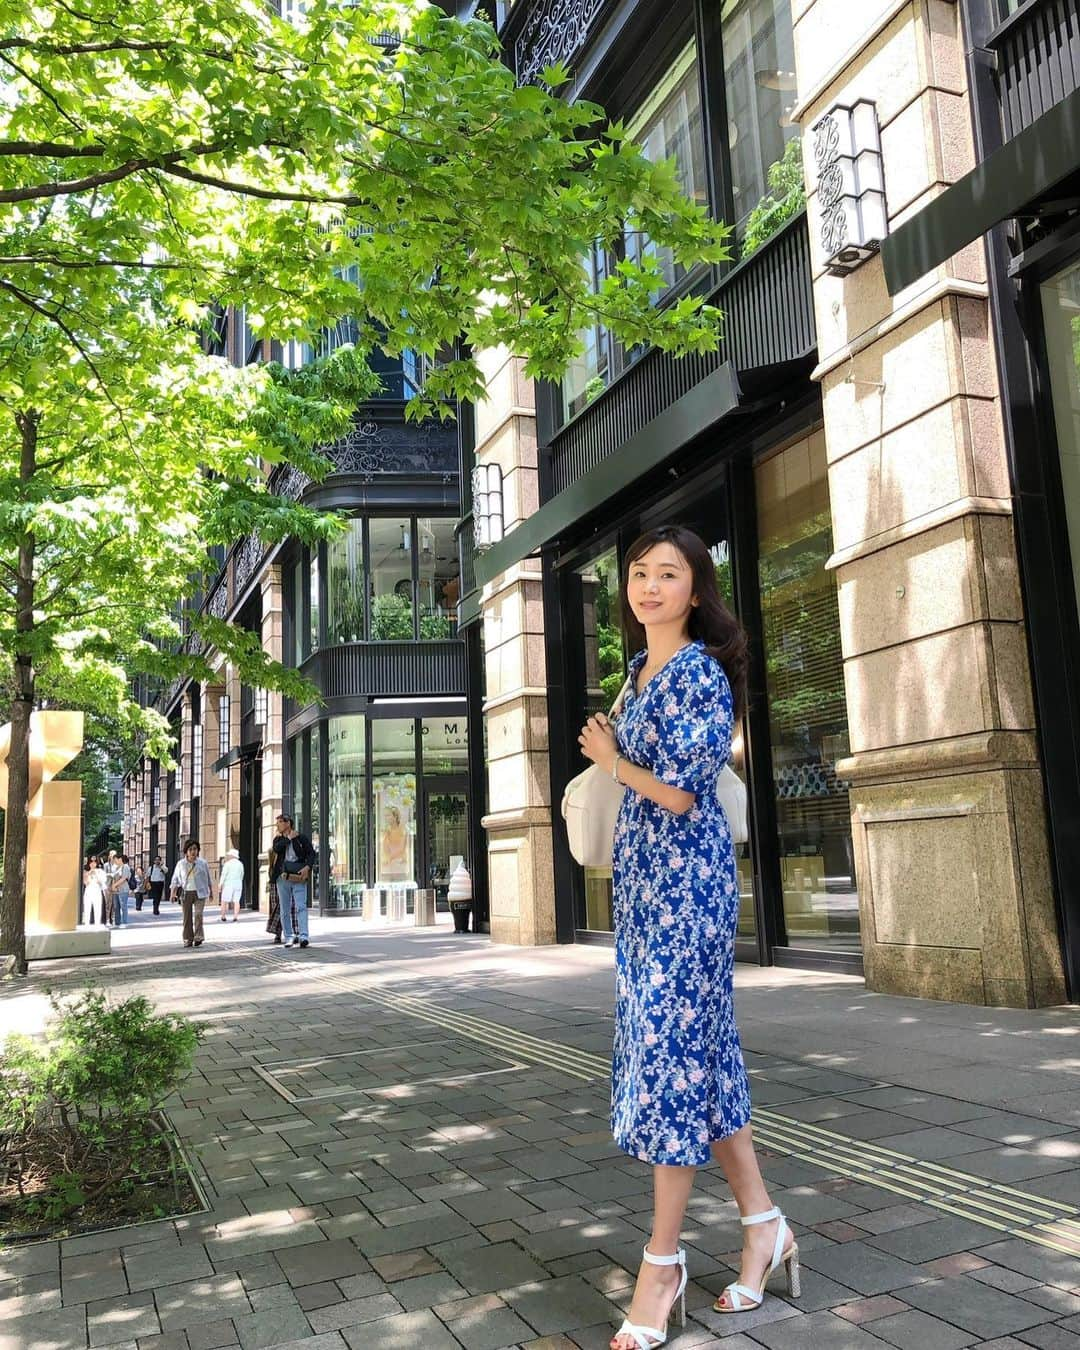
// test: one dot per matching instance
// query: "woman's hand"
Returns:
(597, 741)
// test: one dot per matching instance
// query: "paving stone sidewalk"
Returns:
(385, 1170)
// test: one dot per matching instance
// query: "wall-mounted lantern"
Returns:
(851, 185)
(487, 495)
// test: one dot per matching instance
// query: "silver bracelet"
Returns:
(615, 769)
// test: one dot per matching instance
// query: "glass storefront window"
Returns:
(313, 604)
(588, 374)
(668, 126)
(314, 799)
(296, 604)
(605, 671)
(444, 744)
(439, 582)
(807, 707)
(1061, 317)
(394, 800)
(346, 804)
(759, 75)
(345, 585)
(391, 587)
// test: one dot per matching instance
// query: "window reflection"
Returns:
(345, 585)
(746, 928)
(605, 672)
(668, 126)
(759, 75)
(807, 707)
(391, 580)
(1061, 314)
(394, 801)
(347, 812)
(437, 571)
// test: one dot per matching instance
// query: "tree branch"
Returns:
(49, 149)
(248, 190)
(96, 180)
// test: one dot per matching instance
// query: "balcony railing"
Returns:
(1038, 60)
(768, 303)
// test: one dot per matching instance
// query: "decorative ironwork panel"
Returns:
(219, 601)
(769, 321)
(380, 446)
(248, 556)
(555, 30)
(1038, 61)
(289, 481)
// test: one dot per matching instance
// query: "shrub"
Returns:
(80, 1111)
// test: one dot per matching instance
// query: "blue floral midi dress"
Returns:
(678, 1079)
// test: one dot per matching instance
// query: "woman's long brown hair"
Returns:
(711, 622)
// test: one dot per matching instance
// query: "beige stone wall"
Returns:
(947, 809)
(518, 826)
(213, 828)
(273, 751)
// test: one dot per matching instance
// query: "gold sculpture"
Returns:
(53, 865)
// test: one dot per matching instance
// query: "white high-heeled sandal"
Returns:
(744, 1299)
(649, 1338)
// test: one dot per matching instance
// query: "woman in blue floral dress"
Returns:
(679, 1090)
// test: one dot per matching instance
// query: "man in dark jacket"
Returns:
(294, 859)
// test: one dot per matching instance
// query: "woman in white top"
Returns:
(231, 885)
(95, 885)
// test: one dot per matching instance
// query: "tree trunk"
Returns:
(13, 905)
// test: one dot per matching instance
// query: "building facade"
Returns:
(882, 456)
(376, 770)
(846, 455)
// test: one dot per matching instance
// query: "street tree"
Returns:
(161, 160)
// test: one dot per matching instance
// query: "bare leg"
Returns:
(656, 1285)
(739, 1162)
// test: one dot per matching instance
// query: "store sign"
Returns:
(851, 185)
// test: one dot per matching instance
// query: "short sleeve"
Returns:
(694, 725)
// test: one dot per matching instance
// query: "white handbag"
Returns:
(591, 801)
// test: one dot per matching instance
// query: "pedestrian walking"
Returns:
(679, 1092)
(193, 886)
(95, 885)
(294, 859)
(110, 866)
(139, 886)
(157, 876)
(231, 885)
(121, 890)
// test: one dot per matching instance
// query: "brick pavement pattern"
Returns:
(395, 1174)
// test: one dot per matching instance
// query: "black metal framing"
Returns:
(725, 478)
(1050, 601)
(374, 712)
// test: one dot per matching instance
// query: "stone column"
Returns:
(273, 744)
(184, 751)
(232, 688)
(214, 810)
(947, 808)
(515, 706)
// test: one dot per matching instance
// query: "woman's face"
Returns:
(660, 586)
(395, 816)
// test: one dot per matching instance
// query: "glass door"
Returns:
(446, 826)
